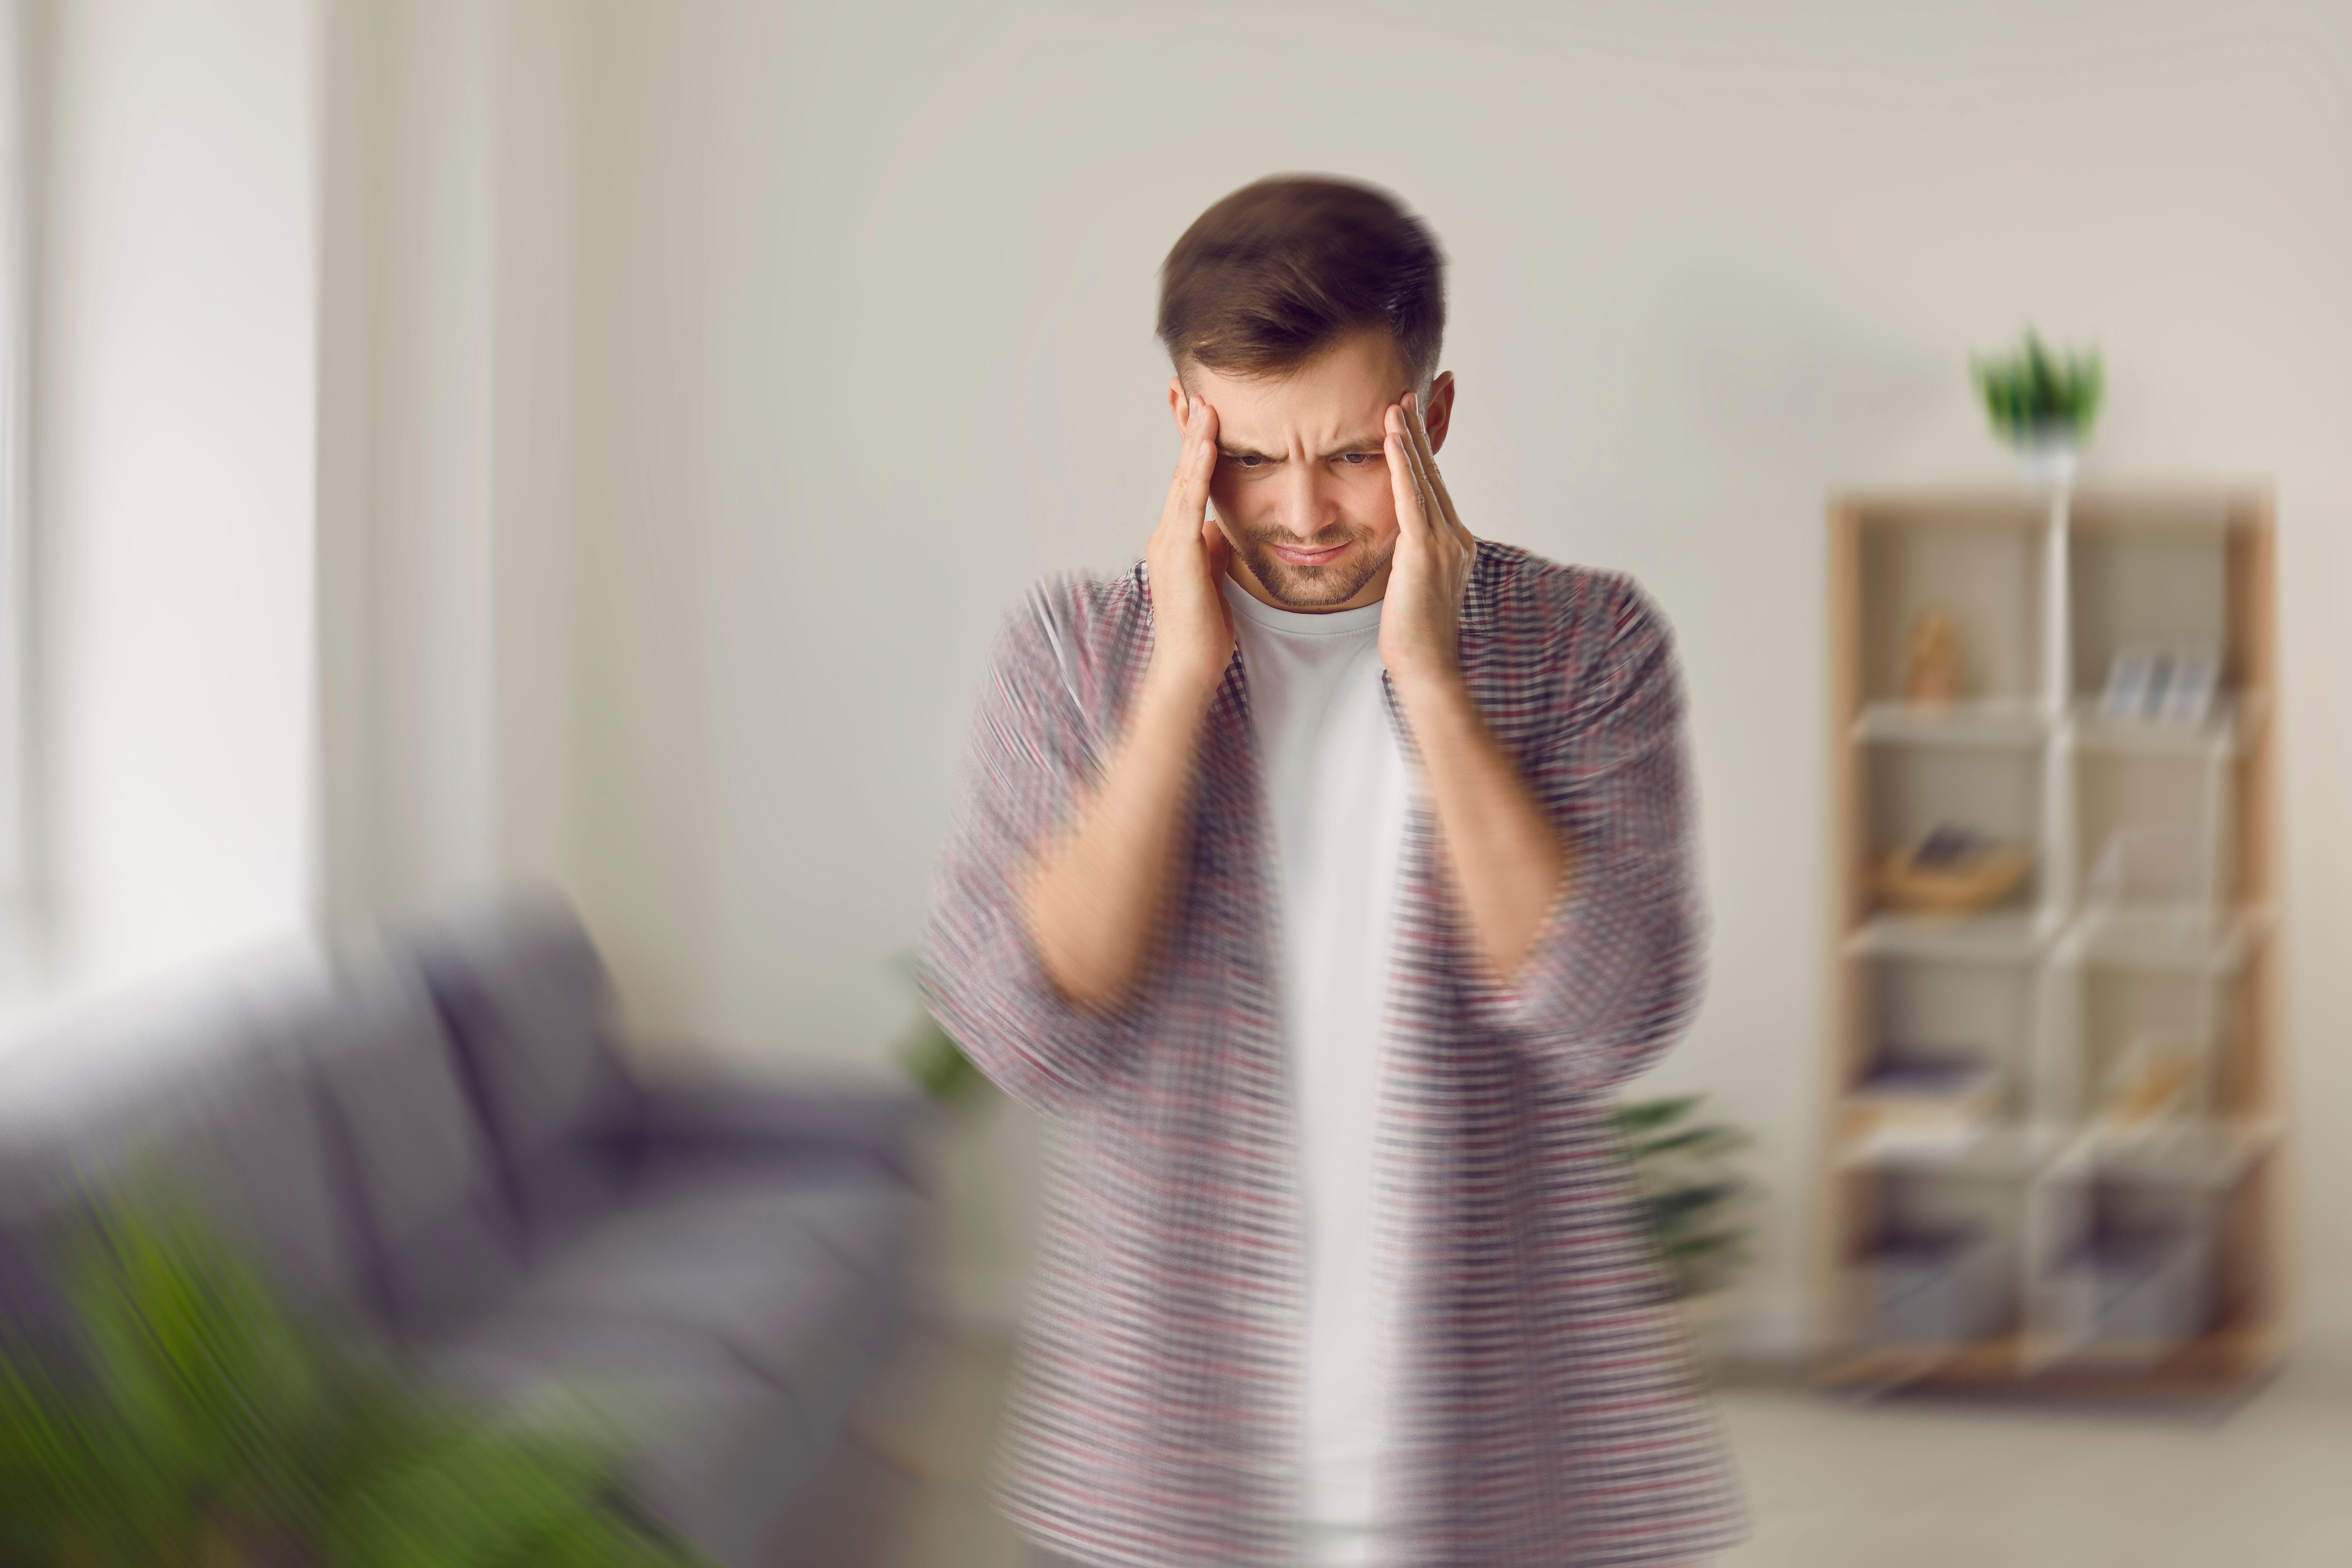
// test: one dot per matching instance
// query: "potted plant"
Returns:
(191, 1421)
(1695, 1202)
(2041, 404)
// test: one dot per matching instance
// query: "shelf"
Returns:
(2130, 965)
(1985, 721)
(2226, 732)
(2185, 940)
(2004, 936)
(2195, 1154)
(2219, 1360)
(2192, 940)
(1997, 1149)
(2215, 1364)
(2203, 1154)
(1998, 1360)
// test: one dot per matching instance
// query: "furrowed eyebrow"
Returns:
(1359, 444)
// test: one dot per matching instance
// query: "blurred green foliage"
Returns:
(926, 1051)
(193, 1421)
(1695, 1200)
(2031, 394)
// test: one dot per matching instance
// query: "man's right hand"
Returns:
(1094, 898)
(1192, 624)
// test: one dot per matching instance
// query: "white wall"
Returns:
(444, 506)
(865, 345)
(174, 398)
(302, 465)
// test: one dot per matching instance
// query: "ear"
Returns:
(1180, 405)
(1438, 417)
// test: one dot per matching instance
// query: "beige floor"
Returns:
(1896, 1483)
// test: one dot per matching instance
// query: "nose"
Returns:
(1309, 503)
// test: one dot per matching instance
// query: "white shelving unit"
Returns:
(2050, 1240)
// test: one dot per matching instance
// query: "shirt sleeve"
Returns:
(1031, 748)
(1617, 966)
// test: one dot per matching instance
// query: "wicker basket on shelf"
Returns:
(1951, 873)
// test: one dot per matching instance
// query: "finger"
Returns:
(1436, 480)
(1213, 540)
(1404, 486)
(1196, 502)
(1428, 508)
(1188, 491)
(1204, 464)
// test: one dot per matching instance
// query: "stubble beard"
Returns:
(1312, 587)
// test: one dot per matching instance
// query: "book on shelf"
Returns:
(2160, 685)
(1921, 1100)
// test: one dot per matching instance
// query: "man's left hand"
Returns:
(1422, 616)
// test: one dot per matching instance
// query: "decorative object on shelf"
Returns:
(1952, 872)
(1933, 1098)
(2147, 684)
(2043, 406)
(2157, 1082)
(1694, 1199)
(1933, 681)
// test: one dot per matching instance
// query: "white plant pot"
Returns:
(2046, 459)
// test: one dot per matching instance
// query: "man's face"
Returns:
(1301, 488)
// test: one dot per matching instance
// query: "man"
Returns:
(1318, 876)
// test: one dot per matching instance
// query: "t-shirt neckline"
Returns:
(1301, 623)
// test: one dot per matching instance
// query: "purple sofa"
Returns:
(437, 1137)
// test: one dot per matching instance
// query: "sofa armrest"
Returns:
(701, 1118)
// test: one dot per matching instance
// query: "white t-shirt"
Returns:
(1336, 790)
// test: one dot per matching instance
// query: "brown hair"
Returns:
(1275, 272)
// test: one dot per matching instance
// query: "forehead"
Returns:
(1339, 392)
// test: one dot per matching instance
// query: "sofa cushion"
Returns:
(726, 1320)
(186, 1089)
(715, 1449)
(686, 1120)
(526, 999)
(798, 1278)
(258, 1150)
(416, 1170)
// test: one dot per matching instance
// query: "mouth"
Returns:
(1295, 556)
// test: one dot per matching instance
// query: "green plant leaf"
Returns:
(1648, 1115)
(930, 1055)
(1695, 1143)
(2033, 391)
(1687, 1195)
(197, 1410)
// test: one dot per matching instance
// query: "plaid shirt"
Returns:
(1553, 1412)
